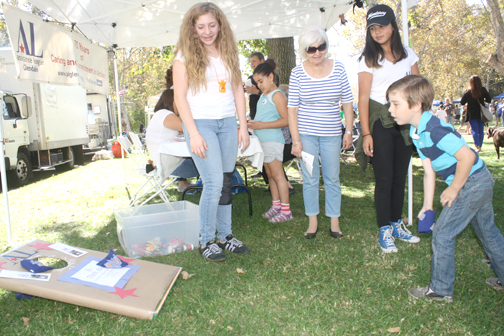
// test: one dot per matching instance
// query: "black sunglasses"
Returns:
(313, 50)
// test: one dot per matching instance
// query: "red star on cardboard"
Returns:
(22, 48)
(1, 263)
(128, 260)
(124, 293)
(39, 246)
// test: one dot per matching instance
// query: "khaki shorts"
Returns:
(272, 150)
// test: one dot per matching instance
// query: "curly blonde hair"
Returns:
(194, 51)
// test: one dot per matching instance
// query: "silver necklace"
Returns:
(322, 69)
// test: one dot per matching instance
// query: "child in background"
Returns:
(271, 116)
(441, 113)
(463, 120)
(468, 197)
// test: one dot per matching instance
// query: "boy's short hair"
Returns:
(414, 89)
(257, 54)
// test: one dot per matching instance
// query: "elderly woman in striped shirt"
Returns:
(316, 88)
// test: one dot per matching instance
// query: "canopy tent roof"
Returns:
(154, 23)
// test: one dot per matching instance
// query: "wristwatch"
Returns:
(348, 132)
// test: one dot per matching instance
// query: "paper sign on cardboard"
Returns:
(141, 297)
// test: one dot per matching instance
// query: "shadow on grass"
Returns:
(45, 174)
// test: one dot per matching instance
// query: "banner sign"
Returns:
(48, 53)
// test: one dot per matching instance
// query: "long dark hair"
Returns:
(165, 102)
(475, 86)
(373, 52)
(169, 78)
(267, 68)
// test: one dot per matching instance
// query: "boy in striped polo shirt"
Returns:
(468, 197)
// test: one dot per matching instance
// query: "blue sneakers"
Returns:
(386, 240)
(399, 231)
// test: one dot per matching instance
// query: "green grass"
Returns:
(291, 286)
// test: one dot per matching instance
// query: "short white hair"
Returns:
(310, 35)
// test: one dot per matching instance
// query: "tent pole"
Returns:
(119, 120)
(5, 189)
(404, 9)
(118, 98)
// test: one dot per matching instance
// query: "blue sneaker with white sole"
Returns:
(386, 240)
(400, 231)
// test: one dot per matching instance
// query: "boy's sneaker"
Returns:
(212, 252)
(399, 231)
(417, 293)
(495, 283)
(233, 245)
(386, 240)
(272, 212)
(281, 217)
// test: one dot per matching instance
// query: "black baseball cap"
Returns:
(380, 15)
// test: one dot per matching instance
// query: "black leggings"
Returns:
(390, 165)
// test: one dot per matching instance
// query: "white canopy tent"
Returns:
(155, 23)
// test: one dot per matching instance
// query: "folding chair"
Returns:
(355, 137)
(137, 142)
(298, 165)
(245, 186)
(152, 180)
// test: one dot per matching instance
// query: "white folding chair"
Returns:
(137, 143)
(355, 135)
(298, 166)
(152, 179)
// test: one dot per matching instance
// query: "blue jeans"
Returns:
(329, 148)
(186, 169)
(450, 119)
(477, 126)
(221, 137)
(473, 204)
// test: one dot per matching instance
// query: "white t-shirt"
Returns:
(209, 103)
(441, 114)
(387, 74)
(157, 133)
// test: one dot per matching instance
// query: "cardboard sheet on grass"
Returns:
(142, 296)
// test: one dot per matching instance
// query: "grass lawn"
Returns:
(291, 285)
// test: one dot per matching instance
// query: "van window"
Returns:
(10, 108)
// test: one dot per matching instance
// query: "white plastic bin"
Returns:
(158, 229)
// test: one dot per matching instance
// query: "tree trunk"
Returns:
(281, 50)
(496, 60)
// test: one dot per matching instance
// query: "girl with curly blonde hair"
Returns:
(208, 91)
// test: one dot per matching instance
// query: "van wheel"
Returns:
(23, 172)
(70, 157)
(68, 154)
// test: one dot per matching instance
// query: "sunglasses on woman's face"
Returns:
(313, 50)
